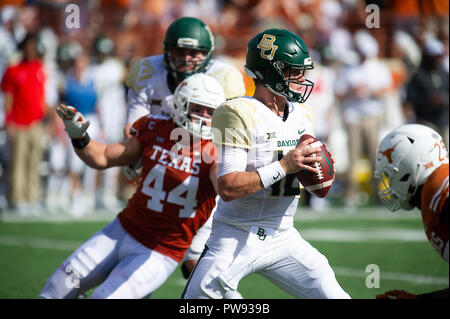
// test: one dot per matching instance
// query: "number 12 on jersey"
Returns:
(288, 186)
(157, 195)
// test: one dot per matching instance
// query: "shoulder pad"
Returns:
(232, 82)
(133, 73)
(140, 70)
(233, 124)
(307, 111)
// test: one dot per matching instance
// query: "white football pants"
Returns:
(111, 258)
(284, 258)
(199, 240)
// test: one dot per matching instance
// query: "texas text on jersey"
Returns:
(164, 214)
(435, 209)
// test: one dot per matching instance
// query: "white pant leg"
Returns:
(283, 257)
(216, 259)
(198, 245)
(88, 265)
(139, 273)
(199, 240)
(299, 269)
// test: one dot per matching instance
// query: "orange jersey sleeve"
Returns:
(435, 217)
(175, 196)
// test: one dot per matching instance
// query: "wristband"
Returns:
(82, 142)
(271, 174)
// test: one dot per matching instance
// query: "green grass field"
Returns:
(31, 250)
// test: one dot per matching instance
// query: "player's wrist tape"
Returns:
(271, 174)
(82, 142)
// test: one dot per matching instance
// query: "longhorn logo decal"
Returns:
(388, 152)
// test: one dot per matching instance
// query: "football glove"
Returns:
(133, 170)
(396, 294)
(74, 121)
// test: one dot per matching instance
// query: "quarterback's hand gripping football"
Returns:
(300, 157)
(74, 121)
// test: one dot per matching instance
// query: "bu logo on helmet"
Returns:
(266, 44)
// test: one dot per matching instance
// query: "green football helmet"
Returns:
(187, 33)
(277, 57)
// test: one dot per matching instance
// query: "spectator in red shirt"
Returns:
(23, 85)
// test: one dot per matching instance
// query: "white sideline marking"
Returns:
(374, 213)
(71, 245)
(384, 275)
(364, 235)
(96, 216)
(39, 242)
(303, 214)
(396, 276)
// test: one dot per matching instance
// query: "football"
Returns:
(318, 183)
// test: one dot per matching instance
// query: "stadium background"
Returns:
(352, 234)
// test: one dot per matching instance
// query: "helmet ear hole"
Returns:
(405, 177)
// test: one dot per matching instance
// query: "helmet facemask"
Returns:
(187, 33)
(199, 125)
(195, 97)
(289, 86)
(390, 197)
(406, 157)
(181, 68)
(194, 123)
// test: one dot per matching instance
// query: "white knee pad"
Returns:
(136, 276)
(61, 285)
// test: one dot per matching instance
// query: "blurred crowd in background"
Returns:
(373, 73)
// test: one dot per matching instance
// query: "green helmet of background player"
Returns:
(187, 33)
(276, 57)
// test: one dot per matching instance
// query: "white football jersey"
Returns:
(247, 123)
(149, 92)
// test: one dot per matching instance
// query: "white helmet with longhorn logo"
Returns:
(405, 158)
(198, 91)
